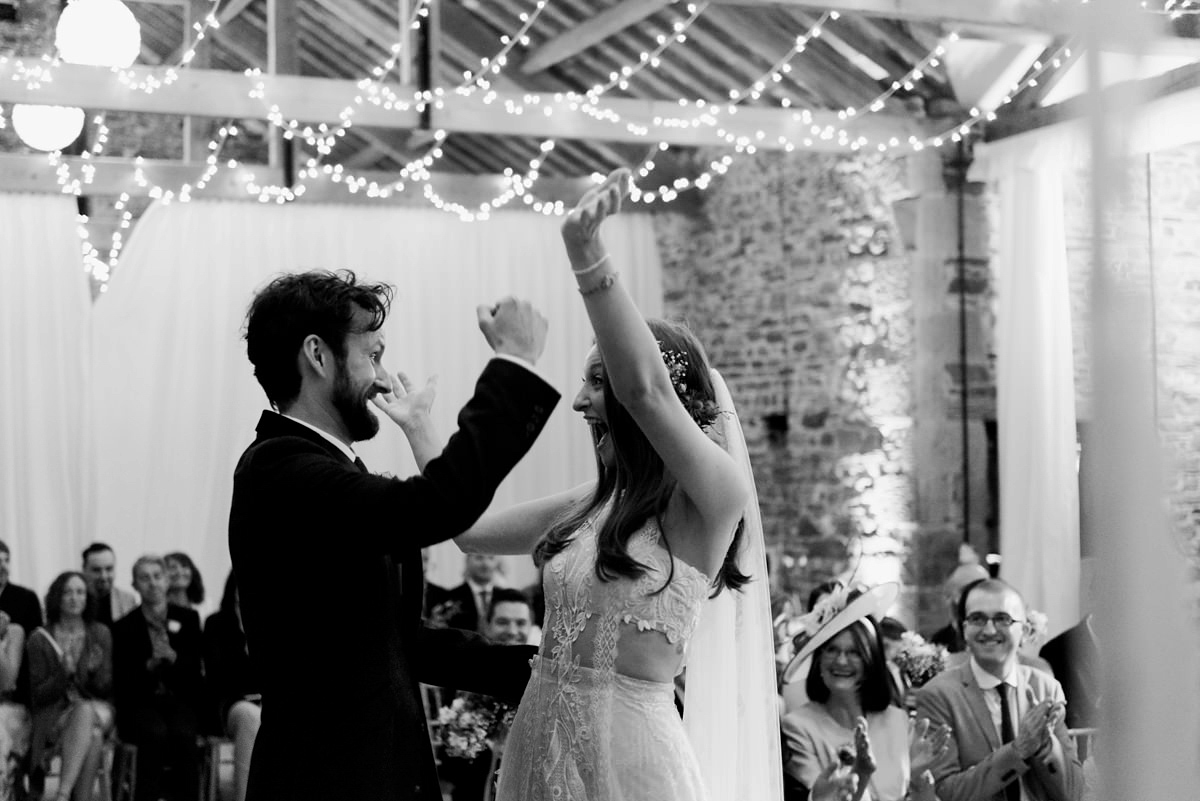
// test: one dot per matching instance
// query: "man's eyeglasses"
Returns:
(1000, 620)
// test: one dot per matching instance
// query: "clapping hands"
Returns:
(1036, 732)
(926, 743)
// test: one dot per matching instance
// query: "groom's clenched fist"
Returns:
(514, 328)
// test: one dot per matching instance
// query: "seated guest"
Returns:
(99, 568)
(19, 603)
(185, 586)
(1008, 741)
(232, 682)
(159, 686)
(852, 706)
(950, 635)
(14, 717)
(70, 676)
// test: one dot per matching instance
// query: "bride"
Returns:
(657, 562)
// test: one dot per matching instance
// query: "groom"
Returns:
(342, 713)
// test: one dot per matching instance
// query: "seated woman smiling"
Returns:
(853, 718)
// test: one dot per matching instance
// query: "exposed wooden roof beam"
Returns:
(595, 30)
(216, 93)
(1126, 94)
(33, 173)
(1037, 15)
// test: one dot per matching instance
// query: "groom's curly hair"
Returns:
(639, 482)
(295, 306)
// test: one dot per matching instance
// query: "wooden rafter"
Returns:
(1127, 94)
(215, 93)
(1037, 15)
(591, 32)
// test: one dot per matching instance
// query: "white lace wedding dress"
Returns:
(583, 731)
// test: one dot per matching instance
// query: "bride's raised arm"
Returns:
(635, 369)
(518, 529)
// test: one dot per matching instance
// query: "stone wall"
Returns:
(796, 277)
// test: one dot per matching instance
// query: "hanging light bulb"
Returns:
(103, 33)
(47, 128)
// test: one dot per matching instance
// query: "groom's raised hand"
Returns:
(514, 328)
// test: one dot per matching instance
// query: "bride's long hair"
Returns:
(639, 482)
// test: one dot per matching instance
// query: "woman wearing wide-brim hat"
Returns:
(854, 708)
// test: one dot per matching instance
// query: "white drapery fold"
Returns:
(174, 394)
(1035, 380)
(45, 313)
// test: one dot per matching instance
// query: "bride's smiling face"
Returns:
(590, 402)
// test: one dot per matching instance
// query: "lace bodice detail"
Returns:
(589, 620)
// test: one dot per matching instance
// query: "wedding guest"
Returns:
(891, 631)
(159, 686)
(185, 585)
(509, 618)
(233, 683)
(14, 716)
(1009, 741)
(99, 568)
(473, 597)
(71, 677)
(793, 693)
(19, 603)
(950, 635)
(853, 705)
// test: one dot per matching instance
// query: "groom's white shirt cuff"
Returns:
(526, 364)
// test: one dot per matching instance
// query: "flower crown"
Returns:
(677, 366)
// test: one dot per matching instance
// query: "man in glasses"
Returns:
(1009, 742)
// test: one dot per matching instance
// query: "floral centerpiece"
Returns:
(471, 724)
(918, 659)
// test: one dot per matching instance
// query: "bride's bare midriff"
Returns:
(646, 655)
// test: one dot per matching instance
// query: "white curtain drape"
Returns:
(44, 319)
(175, 398)
(1039, 501)
(1035, 381)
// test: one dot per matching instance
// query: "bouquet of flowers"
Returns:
(919, 660)
(471, 723)
(1036, 627)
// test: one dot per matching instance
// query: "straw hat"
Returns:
(833, 614)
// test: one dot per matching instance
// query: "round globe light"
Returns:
(103, 33)
(47, 127)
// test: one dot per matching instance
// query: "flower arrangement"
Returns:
(441, 614)
(471, 723)
(1036, 627)
(919, 660)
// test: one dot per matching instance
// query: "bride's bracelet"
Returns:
(605, 283)
(591, 267)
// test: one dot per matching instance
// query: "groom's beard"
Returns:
(361, 423)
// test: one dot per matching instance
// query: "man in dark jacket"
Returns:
(158, 685)
(341, 707)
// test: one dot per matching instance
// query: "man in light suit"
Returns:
(342, 716)
(1009, 742)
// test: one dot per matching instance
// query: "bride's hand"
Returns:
(407, 406)
(582, 224)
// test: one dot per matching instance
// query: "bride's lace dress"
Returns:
(584, 731)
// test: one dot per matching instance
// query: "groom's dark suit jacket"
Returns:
(342, 713)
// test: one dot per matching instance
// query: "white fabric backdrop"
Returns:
(44, 318)
(175, 399)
